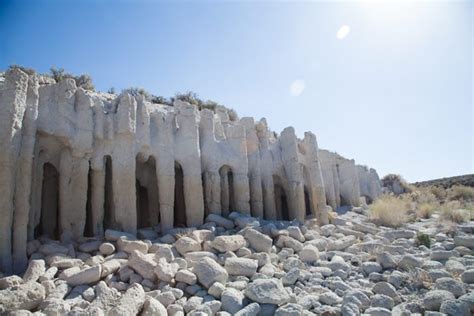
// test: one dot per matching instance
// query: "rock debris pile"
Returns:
(241, 265)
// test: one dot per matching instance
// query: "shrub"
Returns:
(135, 91)
(390, 211)
(84, 81)
(455, 214)
(397, 184)
(111, 90)
(461, 192)
(190, 97)
(29, 71)
(423, 239)
(439, 192)
(160, 100)
(425, 210)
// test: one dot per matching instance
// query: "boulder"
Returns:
(258, 241)
(267, 291)
(131, 302)
(209, 271)
(241, 266)
(228, 243)
(24, 296)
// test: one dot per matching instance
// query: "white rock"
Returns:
(187, 244)
(258, 241)
(153, 307)
(143, 264)
(166, 271)
(309, 254)
(107, 248)
(186, 276)
(131, 302)
(87, 276)
(241, 266)
(36, 268)
(267, 291)
(209, 271)
(229, 243)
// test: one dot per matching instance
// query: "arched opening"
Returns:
(227, 190)
(179, 204)
(146, 192)
(281, 202)
(49, 219)
(109, 214)
(88, 229)
(307, 202)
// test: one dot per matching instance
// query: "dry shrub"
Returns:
(461, 192)
(390, 211)
(439, 192)
(425, 210)
(452, 212)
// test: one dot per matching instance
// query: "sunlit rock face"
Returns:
(74, 163)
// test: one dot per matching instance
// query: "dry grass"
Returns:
(390, 211)
(439, 192)
(455, 214)
(425, 210)
(461, 192)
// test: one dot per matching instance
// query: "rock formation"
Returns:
(75, 163)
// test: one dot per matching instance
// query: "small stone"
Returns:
(410, 262)
(107, 248)
(309, 254)
(386, 260)
(36, 268)
(252, 309)
(370, 267)
(330, 298)
(185, 276)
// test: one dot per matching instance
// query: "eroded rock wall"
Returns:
(75, 163)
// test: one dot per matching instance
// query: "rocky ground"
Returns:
(244, 266)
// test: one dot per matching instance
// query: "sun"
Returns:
(343, 32)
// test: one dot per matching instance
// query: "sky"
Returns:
(387, 83)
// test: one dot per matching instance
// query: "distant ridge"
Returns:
(467, 179)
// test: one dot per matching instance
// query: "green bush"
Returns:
(423, 239)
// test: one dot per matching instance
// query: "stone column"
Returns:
(13, 95)
(73, 178)
(266, 169)
(295, 194)
(318, 196)
(24, 178)
(212, 192)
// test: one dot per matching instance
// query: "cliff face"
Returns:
(74, 163)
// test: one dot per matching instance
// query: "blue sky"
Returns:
(396, 93)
